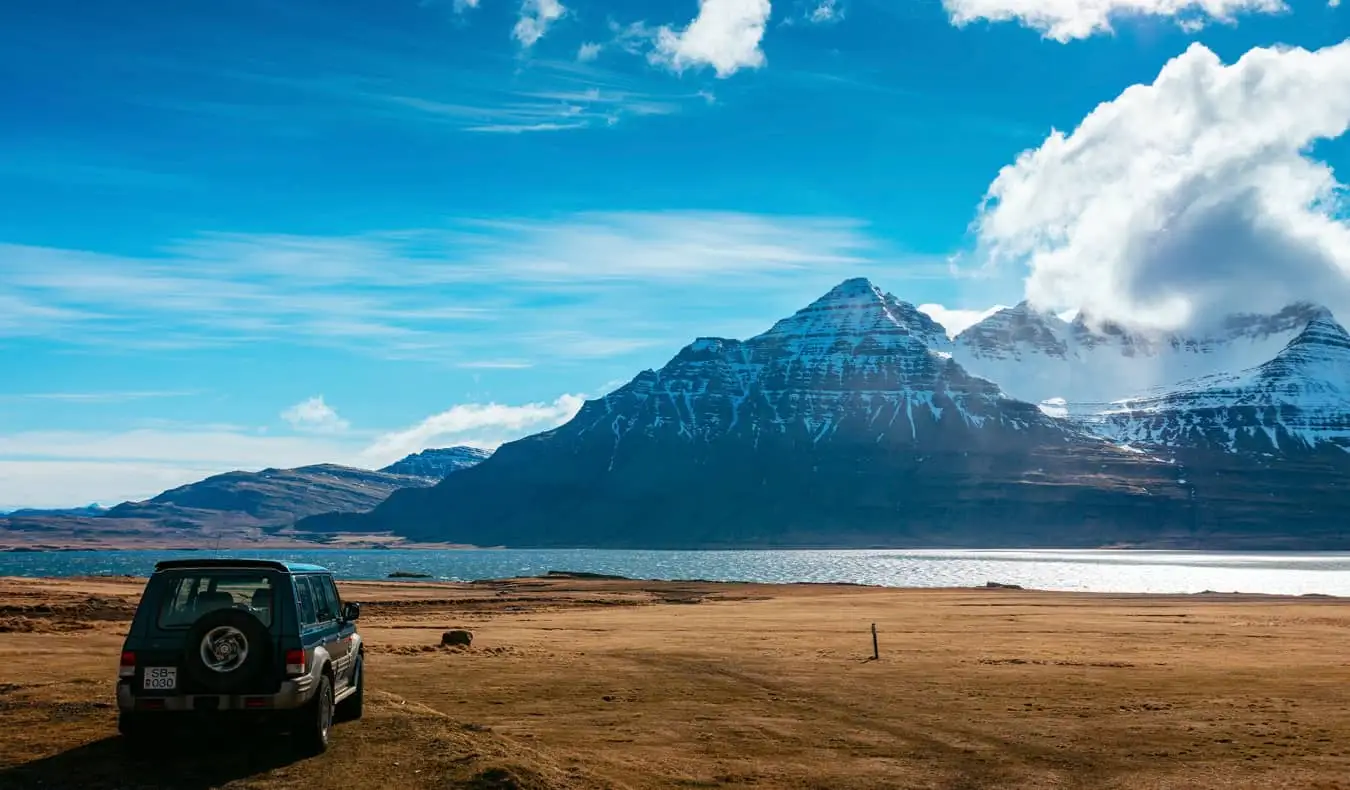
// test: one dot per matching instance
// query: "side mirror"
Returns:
(351, 611)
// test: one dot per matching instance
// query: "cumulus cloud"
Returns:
(484, 425)
(1064, 20)
(725, 36)
(956, 320)
(588, 52)
(314, 416)
(464, 5)
(1192, 196)
(535, 18)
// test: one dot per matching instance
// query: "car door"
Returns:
(337, 632)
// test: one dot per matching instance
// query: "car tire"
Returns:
(134, 730)
(315, 720)
(255, 639)
(350, 708)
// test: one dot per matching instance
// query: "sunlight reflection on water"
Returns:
(1091, 570)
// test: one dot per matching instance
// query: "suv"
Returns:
(242, 639)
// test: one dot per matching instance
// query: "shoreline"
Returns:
(396, 546)
(586, 579)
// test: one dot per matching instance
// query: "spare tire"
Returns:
(227, 651)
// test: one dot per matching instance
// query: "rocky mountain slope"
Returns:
(270, 497)
(846, 424)
(437, 463)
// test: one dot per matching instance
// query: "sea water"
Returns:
(1087, 570)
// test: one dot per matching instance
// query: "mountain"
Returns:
(438, 463)
(238, 505)
(1298, 402)
(846, 424)
(1081, 366)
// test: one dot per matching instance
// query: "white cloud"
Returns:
(485, 425)
(535, 18)
(312, 415)
(464, 5)
(588, 51)
(956, 320)
(69, 468)
(1192, 196)
(827, 11)
(725, 35)
(1064, 20)
(218, 447)
(48, 484)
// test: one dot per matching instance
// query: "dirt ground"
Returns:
(614, 684)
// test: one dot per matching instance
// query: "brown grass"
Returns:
(598, 683)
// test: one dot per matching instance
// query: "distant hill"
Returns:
(238, 506)
(87, 510)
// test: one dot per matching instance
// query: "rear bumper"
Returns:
(293, 694)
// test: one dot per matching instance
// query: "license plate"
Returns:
(160, 679)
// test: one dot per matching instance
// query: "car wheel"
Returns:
(316, 720)
(134, 730)
(350, 708)
(227, 650)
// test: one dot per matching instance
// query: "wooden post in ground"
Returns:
(876, 654)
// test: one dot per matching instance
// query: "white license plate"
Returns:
(160, 678)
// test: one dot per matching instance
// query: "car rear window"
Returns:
(190, 595)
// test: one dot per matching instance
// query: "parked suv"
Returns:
(237, 639)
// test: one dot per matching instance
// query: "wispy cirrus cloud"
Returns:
(472, 290)
(99, 397)
(381, 86)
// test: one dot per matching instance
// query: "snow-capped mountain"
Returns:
(846, 424)
(1079, 368)
(856, 365)
(435, 464)
(1297, 402)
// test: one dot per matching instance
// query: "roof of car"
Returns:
(285, 566)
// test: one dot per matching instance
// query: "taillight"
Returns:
(295, 662)
(128, 666)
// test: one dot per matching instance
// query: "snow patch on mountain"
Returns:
(1295, 402)
(1043, 358)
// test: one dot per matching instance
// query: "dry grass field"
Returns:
(609, 684)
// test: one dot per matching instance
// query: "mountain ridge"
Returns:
(244, 505)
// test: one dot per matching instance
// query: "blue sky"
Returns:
(272, 232)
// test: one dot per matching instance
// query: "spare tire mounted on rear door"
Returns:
(227, 650)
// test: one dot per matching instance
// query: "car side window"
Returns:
(333, 594)
(325, 601)
(305, 595)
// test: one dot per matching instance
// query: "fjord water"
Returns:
(1087, 571)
